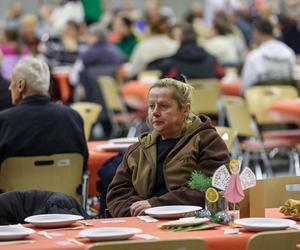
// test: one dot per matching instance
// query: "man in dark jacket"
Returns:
(190, 59)
(37, 126)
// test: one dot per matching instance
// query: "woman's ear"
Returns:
(187, 108)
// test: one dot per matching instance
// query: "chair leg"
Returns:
(85, 185)
(258, 170)
(296, 161)
(273, 152)
(245, 159)
(267, 163)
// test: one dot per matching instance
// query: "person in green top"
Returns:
(93, 10)
(123, 27)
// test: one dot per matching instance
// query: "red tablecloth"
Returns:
(135, 94)
(96, 159)
(64, 87)
(215, 239)
(231, 88)
(287, 110)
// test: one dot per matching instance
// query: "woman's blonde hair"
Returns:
(181, 92)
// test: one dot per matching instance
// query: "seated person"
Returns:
(155, 170)
(156, 45)
(37, 126)
(122, 26)
(100, 57)
(190, 59)
(265, 62)
(63, 50)
(12, 50)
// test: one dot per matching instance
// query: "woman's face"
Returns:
(120, 27)
(164, 113)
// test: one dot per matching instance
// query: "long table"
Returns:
(215, 239)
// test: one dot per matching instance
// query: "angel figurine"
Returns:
(233, 183)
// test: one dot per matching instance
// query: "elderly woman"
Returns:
(155, 171)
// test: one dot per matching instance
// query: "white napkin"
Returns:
(147, 218)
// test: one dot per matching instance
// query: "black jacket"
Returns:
(190, 60)
(16, 206)
(39, 127)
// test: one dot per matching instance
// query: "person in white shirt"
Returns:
(271, 60)
(157, 45)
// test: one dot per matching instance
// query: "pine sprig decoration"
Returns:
(199, 181)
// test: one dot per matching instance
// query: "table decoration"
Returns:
(223, 188)
(291, 207)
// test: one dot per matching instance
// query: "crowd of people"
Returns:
(88, 34)
(260, 43)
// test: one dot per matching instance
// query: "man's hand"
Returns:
(139, 207)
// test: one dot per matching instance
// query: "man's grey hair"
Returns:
(35, 72)
(99, 31)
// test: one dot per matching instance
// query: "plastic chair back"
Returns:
(239, 116)
(228, 135)
(57, 173)
(276, 240)
(186, 244)
(205, 96)
(89, 112)
(260, 98)
(149, 75)
(111, 94)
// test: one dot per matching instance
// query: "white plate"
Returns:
(184, 222)
(53, 220)
(264, 224)
(14, 232)
(124, 140)
(171, 211)
(109, 233)
(113, 147)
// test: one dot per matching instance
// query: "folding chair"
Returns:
(253, 146)
(276, 240)
(57, 173)
(259, 99)
(205, 96)
(122, 121)
(89, 112)
(229, 136)
(149, 75)
(186, 244)
(270, 193)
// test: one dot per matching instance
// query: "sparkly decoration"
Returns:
(204, 213)
(223, 217)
